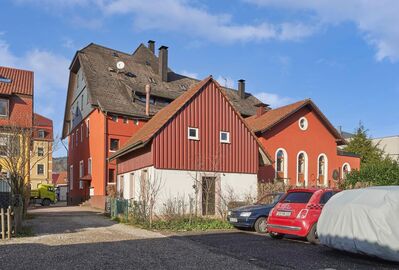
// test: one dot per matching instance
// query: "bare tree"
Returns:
(151, 185)
(16, 149)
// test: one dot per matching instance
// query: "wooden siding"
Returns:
(210, 112)
(136, 160)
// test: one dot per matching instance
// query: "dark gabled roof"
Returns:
(150, 129)
(112, 91)
(16, 81)
(273, 117)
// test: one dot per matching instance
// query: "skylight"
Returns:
(5, 80)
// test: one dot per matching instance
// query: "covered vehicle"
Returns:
(254, 216)
(364, 221)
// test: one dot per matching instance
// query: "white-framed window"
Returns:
(89, 166)
(4, 107)
(322, 169)
(40, 169)
(193, 133)
(224, 137)
(81, 168)
(87, 127)
(114, 145)
(125, 120)
(80, 184)
(302, 169)
(281, 158)
(71, 177)
(40, 151)
(346, 169)
(41, 134)
(303, 123)
(81, 133)
(136, 122)
(114, 118)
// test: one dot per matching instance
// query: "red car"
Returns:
(297, 213)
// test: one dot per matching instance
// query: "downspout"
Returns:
(106, 147)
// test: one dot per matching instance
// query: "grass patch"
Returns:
(185, 224)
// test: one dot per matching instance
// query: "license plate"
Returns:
(283, 214)
(233, 220)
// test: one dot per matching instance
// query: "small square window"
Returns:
(114, 145)
(224, 137)
(136, 122)
(193, 133)
(125, 120)
(41, 134)
(40, 151)
(114, 118)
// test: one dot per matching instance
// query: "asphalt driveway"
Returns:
(80, 238)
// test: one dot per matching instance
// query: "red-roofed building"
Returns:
(42, 150)
(303, 144)
(198, 140)
(16, 97)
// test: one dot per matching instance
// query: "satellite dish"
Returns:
(120, 65)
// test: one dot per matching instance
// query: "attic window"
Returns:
(151, 80)
(183, 87)
(5, 80)
(148, 63)
(115, 54)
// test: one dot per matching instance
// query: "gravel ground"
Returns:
(78, 237)
(81, 238)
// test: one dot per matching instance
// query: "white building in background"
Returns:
(389, 144)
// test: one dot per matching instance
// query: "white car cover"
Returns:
(363, 221)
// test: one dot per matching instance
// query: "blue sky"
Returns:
(342, 54)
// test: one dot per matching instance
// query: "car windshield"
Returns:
(297, 197)
(269, 199)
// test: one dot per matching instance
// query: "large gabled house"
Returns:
(304, 146)
(106, 105)
(199, 147)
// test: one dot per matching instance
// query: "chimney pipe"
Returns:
(147, 99)
(163, 63)
(151, 46)
(241, 88)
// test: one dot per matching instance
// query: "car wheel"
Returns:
(312, 235)
(46, 202)
(276, 235)
(261, 225)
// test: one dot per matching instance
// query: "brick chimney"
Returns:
(151, 45)
(147, 99)
(261, 109)
(163, 63)
(241, 88)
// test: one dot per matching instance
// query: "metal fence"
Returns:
(117, 207)
(5, 194)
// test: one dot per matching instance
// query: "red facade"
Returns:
(210, 112)
(315, 141)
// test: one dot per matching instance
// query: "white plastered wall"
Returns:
(177, 184)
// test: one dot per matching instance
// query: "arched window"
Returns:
(302, 169)
(322, 169)
(280, 161)
(346, 168)
(301, 163)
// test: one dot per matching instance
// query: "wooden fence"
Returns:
(5, 222)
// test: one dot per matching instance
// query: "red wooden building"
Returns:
(303, 144)
(199, 138)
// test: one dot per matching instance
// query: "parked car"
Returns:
(254, 216)
(297, 213)
(363, 221)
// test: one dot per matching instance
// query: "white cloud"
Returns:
(50, 79)
(377, 20)
(189, 74)
(273, 100)
(196, 21)
(225, 81)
